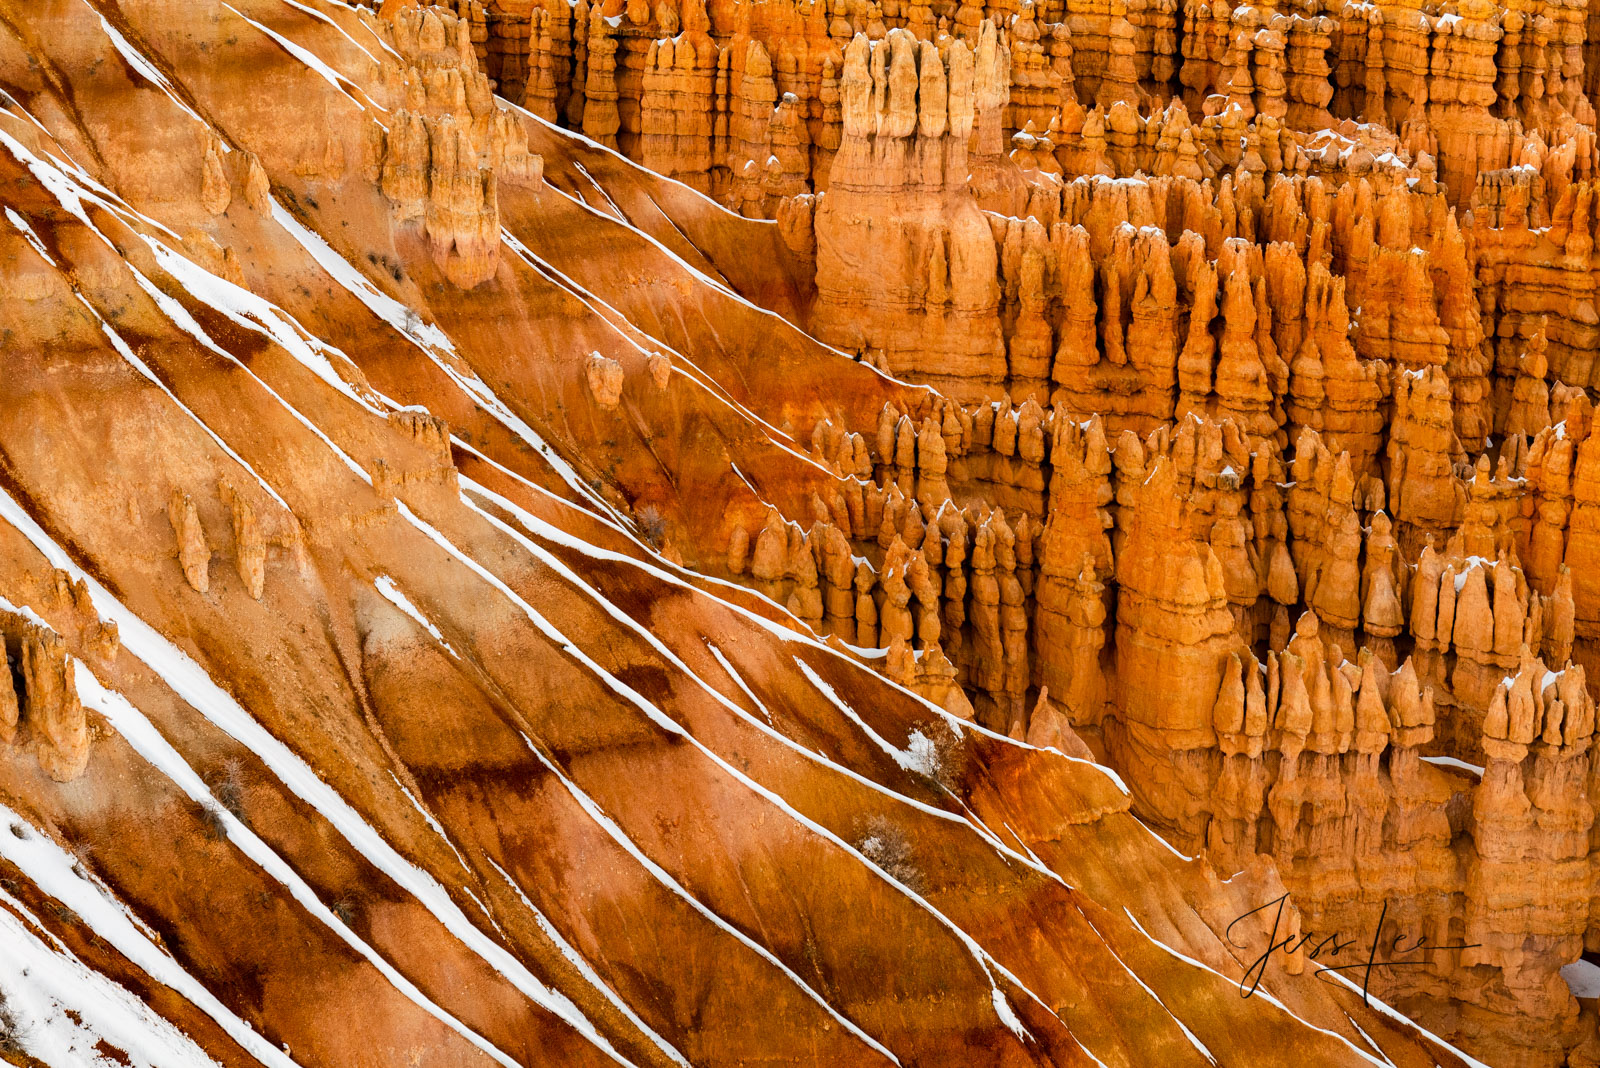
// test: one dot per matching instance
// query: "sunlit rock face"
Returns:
(817, 533)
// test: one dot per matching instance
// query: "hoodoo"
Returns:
(812, 532)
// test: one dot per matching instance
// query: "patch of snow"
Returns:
(1583, 978)
(41, 985)
(314, 13)
(1452, 762)
(305, 56)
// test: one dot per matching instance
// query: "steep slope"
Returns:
(365, 711)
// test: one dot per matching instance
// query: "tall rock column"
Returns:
(906, 262)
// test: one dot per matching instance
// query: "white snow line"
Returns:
(1388, 1062)
(1190, 1035)
(50, 868)
(403, 319)
(239, 305)
(434, 343)
(308, 58)
(1376, 1003)
(191, 682)
(982, 956)
(314, 13)
(550, 631)
(728, 290)
(437, 828)
(252, 312)
(32, 238)
(1458, 765)
(909, 759)
(179, 317)
(139, 365)
(40, 986)
(149, 71)
(699, 377)
(591, 976)
(391, 593)
(575, 135)
(621, 215)
(737, 680)
(664, 877)
(1260, 990)
(554, 534)
(184, 321)
(185, 277)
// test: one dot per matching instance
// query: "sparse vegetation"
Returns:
(886, 845)
(227, 786)
(940, 753)
(214, 823)
(12, 1032)
(652, 525)
(63, 915)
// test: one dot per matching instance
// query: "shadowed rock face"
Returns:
(456, 610)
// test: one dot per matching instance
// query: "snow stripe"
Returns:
(50, 868)
(437, 828)
(308, 58)
(195, 686)
(391, 593)
(1260, 990)
(149, 71)
(1376, 1003)
(1190, 1035)
(591, 976)
(738, 681)
(549, 630)
(314, 13)
(41, 985)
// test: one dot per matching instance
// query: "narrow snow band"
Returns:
(595, 812)
(391, 593)
(1002, 1007)
(41, 985)
(591, 976)
(50, 868)
(190, 682)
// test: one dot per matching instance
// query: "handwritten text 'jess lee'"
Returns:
(1329, 947)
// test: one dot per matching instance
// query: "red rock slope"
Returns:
(358, 714)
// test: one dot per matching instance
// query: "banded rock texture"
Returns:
(453, 612)
(1250, 331)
